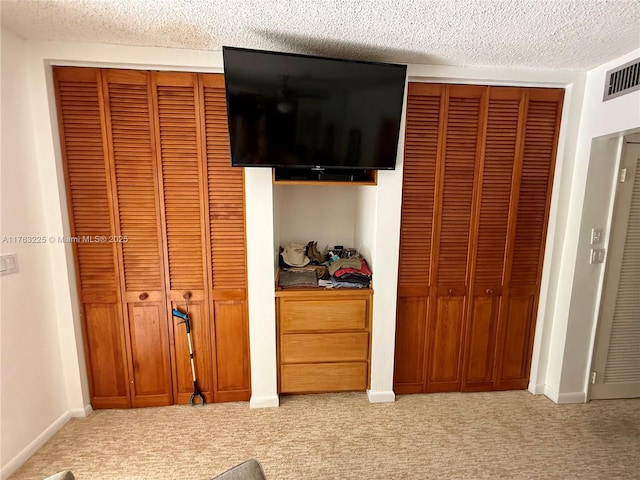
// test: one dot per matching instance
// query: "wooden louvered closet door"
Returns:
(129, 125)
(226, 247)
(181, 175)
(424, 106)
(84, 150)
(527, 239)
(491, 225)
(481, 249)
(461, 130)
(147, 165)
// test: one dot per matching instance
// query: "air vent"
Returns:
(622, 80)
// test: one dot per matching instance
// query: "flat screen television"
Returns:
(306, 112)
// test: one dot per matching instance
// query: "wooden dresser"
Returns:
(324, 339)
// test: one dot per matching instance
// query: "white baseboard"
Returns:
(381, 397)
(17, 461)
(81, 412)
(264, 402)
(536, 388)
(572, 397)
(562, 398)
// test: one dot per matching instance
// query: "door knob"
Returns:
(451, 291)
(143, 296)
(489, 291)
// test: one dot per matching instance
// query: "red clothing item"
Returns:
(363, 270)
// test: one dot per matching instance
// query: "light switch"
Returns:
(597, 255)
(596, 236)
(8, 264)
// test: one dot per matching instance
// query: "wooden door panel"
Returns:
(129, 122)
(515, 345)
(410, 344)
(500, 151)
(463, 127)
(150, 354)
(227, 247)
(490, 238)
(106, 356)
(225, 186)
(445, 345)
(536, 177)
(179, 144)
(418, 191)
(493, 150)
(231, 350)
(201, 342)
(130, 126)
(84, 149)
(480, 349)
(182, 179)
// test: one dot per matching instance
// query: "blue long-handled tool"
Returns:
(187, 324)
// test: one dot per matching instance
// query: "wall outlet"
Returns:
(8, 264)
(597, 255)
(596, 236)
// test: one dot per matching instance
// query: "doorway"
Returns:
(615, 371)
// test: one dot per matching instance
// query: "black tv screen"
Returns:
(299, 111)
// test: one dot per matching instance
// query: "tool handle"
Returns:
(185, 318)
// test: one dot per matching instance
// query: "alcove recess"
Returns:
(329, 176)
(328, 212)
(324, 335)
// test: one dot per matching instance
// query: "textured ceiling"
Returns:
(575, 35)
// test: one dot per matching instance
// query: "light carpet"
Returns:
(496, 435)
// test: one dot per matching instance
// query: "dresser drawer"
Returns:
(324, 347)
(339, 314)
(323, 377)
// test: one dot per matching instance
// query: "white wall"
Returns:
(259, 209)
(324, 213)
(33, 399)
(574, 311)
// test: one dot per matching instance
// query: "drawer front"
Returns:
(300, 315)
(324, 347)
(323, 377)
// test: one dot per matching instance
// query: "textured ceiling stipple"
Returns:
(544, 34)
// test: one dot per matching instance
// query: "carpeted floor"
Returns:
(501, 435)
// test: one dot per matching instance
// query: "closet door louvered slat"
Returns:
(182, 185)
(454, 210)
(419, 172)
(136, 203)
(83, 145)
(542, 122)
(225, 186)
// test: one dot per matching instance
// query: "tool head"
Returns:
(177, 313)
